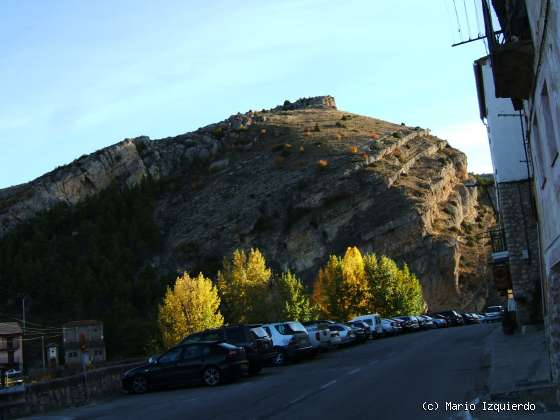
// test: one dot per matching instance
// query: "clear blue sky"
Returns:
(76, 76)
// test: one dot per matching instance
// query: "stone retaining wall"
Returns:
(70, 392)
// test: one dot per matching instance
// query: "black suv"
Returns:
(453, 317)
(258, 348)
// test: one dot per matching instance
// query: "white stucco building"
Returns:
(515, 257)
(525, 61)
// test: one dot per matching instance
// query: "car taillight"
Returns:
(318, 335)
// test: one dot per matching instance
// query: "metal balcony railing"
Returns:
(498, 239)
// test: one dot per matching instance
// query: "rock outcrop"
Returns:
(300, 181)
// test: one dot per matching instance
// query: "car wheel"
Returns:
(139, 385)
(212, 376)
(280, 358)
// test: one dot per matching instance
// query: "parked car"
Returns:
(347, 336)
(494, 313)
(360, 330)
(389, 326)
(290, 340)
(12, 377)
(439, 321)
(400, 324)
(426, 322)
(319, 335)
(410, 323)
(209, 362)
(259, 350)
(374, 323)
(264, 343)
(453, 318)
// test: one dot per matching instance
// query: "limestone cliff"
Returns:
(300, 181)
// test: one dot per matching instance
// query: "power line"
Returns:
(467, 17)
(42, 337)
(477, 17)
(458, 21)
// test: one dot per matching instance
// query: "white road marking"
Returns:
(328, 384)
(352, 372)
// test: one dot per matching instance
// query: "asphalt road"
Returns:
(388, 378)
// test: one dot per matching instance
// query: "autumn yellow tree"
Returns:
(243, 284)
(191, 305)
(341, 290)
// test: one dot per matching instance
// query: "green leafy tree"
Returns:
(244, 284)
(290, 302)
(394, 291)
(191, 305)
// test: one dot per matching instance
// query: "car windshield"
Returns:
(492, 309)
(296, 326)
(284, 329)
(259, 332)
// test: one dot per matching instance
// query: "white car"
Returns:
(374, 323)
(290, 340)
(388, 327)
(345, 333)
(319, 335)
(494, 313)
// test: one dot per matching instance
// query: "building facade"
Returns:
(11, 349)
(83, 342)
(515, 256)
(525, 59)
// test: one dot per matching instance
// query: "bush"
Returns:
(397, 135)
(340, 125)
(322, 164)
(316, 127)
(218, 132)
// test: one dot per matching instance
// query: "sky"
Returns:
(77, 75)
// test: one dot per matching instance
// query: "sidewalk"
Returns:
(519, 362)
(519, 372)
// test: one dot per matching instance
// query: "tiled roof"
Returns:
(10, 328)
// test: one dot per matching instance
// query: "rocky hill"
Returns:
(300, 181)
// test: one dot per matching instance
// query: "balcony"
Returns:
(499, 246)
(511, 49)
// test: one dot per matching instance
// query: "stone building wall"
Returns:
(520, 227)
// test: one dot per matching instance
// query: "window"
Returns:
(538, 154)
(268, 331)
(284, 329)
(171, 356)
(192, 352)
(549, 134)
(259, 332)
